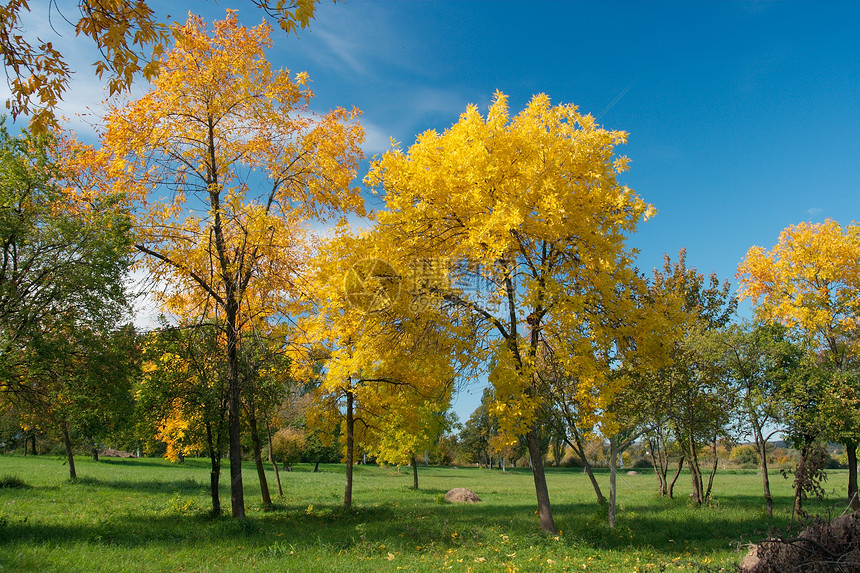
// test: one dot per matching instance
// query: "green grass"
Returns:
(151, 515)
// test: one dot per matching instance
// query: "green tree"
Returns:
(66, 252)
(760, 358)
(182, 396)
(691, 393)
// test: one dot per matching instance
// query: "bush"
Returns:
(288, 445)
(744, 456)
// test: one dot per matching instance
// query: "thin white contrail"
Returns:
(618, 97)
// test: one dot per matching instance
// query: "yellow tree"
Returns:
(528, 218)
(124, 31)
(226, 162)
(388, 360)
(811, 280)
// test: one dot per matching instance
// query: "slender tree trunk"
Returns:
(70, 455)
(851, 450)
(713, 472)
(231, 300)
(613, 463)
(350, 437)
(695, 471)
(237, 493)
(33, 442)
(95, 452)
(272, 460)
(800, 479)
(258, 456)
(761, 448)
(580, 451)
(215, 471)
(675, 477)
(316, 467)
(660, 468)
(547, 523)
(414, 473)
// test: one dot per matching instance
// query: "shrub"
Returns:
(288, 445)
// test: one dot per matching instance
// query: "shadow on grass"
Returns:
(363, 528)
(188, 485)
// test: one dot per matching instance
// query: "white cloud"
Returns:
(145, 310)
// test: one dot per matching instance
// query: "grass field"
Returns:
(151, 515)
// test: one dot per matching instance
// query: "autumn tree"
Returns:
(125, 33)
(810, 280)
(388, 359)
(226, 162)
(528, 217)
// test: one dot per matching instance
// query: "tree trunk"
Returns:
(761, 447)
(851, 450)
(613, 463)
(659, 465)
(675, 478)
(350, 436)
(713, 472)
(237, 493)
(215, 471)
(316, 467)
(800, 479)
(695, 471)
(580, 451)
(547, 523)
(70, 455)
(414, 473)
(95, 452)
(33, 442)
(258, 456)
(272, 460)
(232, 296)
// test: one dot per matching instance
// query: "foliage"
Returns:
(371, 344)
(123, 30)
(689, 398)
(527, 221)
(65, 257)
(226, 163)
(182, 396)
(288, 445)
(810, 281)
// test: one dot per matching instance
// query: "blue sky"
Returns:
(743, 117)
